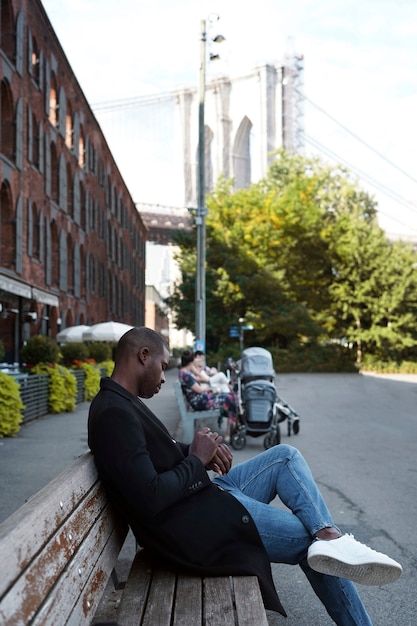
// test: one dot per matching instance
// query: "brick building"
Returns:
(72, 241)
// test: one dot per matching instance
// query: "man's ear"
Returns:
(143, 355)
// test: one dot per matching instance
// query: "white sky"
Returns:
(360, 67)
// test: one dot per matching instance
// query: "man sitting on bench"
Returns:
(223, 526)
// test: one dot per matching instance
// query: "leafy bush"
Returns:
(100, 351)
(74, 352)
(2, 351)
(62, 387)
(372, 364)
(39, 349)
(108, 366)
(91, 380)
(315, 358)
(10, 406)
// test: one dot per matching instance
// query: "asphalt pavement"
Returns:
(358, 434)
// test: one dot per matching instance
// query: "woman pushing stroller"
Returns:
(201, 396)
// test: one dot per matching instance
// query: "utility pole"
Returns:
(200, 304)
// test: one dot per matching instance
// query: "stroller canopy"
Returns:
(256, 363)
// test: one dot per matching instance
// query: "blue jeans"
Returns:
(282, 471)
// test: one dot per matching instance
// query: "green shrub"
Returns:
(2, 350)
(91, 380)
(371, 363)
(100, 351)
(74, 352)
(315, 358)
(62, 387)
(11, 406)
(39, 349)
(108, 366)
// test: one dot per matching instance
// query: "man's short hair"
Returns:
(139, 337)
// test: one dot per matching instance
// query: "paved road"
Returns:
(359, 435)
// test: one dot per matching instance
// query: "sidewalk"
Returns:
(46, 446)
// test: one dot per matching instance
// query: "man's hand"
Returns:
(208, 447)
(222, 460)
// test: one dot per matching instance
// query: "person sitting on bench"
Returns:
(224, 525)
(201, 396)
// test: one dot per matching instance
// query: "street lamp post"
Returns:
(200, 286)
(200, 309)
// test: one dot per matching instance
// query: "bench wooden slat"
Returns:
(218, 607)
(249, 604)
(78, 592)
(133, 602)
(188, 607)
(160, 599)
(188, 416)
(22, 536)
(36, 580)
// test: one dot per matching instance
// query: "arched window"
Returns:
(63, 262)
(20, 41)
(53, 100)
(54, 173)
(81, 148)
(242, 155)
(8, 34)
(62, 184)
(7, 130)
(70, 265)
(83, 273)
(7, 228)
(69, 131)
(36, 237)
(34, 58)
(70, 191)
(62, 113)
(77, 271)
(54, 255)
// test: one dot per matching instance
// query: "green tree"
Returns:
(374, 289)
(301, 257)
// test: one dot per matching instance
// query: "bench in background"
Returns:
(58, 551)
(188, 415)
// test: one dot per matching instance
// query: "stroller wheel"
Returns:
(296, 426)
(272, 439)
(238, 440)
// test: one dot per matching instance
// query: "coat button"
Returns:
(245, 519)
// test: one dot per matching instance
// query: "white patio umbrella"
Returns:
(72, 334)
(106, 331)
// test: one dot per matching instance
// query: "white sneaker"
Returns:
(347, 558)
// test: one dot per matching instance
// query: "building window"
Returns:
(34, 59)
(7, 228)
(70, 191)
(36, 236)
(54, 173)
(54, 255)
(7, 130)
(70, 265)
(8, 34)
(81, 149)
(53, 101)
(69, 131)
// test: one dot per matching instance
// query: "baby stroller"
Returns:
(261, 410)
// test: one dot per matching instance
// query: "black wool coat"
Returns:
(167, 497)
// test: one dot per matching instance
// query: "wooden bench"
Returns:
(188, 415)
(58, 551)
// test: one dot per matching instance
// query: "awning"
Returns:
(44, 297)
(14, 286)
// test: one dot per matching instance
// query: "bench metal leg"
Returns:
(187, 429)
